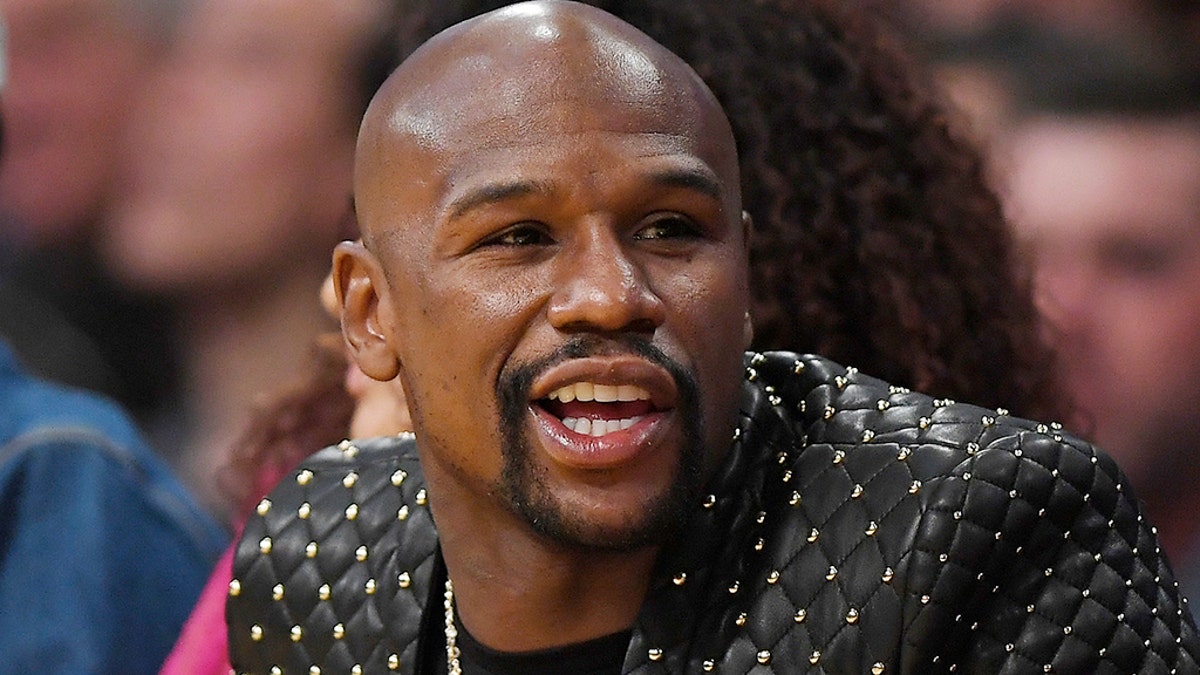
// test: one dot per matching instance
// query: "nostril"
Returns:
(643, 325)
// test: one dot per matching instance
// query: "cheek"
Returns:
(707, 316)
(709, 305)
(1141, 358)
(1160, 318)
(456, 424)
(1160, 340)
(452, 341)
(471, 319)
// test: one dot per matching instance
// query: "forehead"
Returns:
(556, 116)
(564, 149)
(537, 100)
(482, 99)
(541, 128)
(1105, 176)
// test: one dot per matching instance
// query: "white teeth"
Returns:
(629, 392)
(598, 427)
(603, 393)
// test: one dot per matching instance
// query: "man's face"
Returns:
(241, 159)
(1113, 213)
(75, 67)
(570, 291)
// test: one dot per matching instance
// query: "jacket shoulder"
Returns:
(1026, 543)
(330, 561)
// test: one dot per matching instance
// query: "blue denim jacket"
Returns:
(102, 552)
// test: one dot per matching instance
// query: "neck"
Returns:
(517, 591)
(238, 347)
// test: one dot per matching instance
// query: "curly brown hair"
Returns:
(310, 412)
(878, 241)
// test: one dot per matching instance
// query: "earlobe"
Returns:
(362, 294)
(747, 331)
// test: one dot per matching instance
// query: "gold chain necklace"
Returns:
(453, 664)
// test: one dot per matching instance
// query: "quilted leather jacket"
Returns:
(855, 527)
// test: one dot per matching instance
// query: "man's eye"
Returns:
(519, 236)
(1141, 259)
(668, 227)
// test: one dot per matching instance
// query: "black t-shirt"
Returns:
(602, 656)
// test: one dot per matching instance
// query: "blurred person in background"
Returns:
(1103, 180)
(237, 189)
(1091, 109)
(992, 56)
(77, 70)
(940, 20)
(102, 551)
(77, 67)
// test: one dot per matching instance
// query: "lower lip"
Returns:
(597, 452)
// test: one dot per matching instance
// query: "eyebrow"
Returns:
(696, 180)
(496, 192)
(701, 181)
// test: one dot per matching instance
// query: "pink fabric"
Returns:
(203, 646)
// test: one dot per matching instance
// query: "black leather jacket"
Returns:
(854, 528)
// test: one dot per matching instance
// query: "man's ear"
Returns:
(366, 309)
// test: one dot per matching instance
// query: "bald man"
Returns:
(554, 266)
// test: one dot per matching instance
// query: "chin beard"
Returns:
(522, 483)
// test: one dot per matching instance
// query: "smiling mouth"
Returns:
(597, 410)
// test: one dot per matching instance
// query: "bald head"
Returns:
(532, 68)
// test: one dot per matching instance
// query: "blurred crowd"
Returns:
(175, 174)
(1089, 113)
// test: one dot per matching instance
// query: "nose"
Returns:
(601, 288)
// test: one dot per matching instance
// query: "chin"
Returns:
(613, 532)
(602, 518)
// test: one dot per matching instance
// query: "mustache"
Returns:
(513, 385)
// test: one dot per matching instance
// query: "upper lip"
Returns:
(614, 370)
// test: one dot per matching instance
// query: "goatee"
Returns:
(523, 484)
